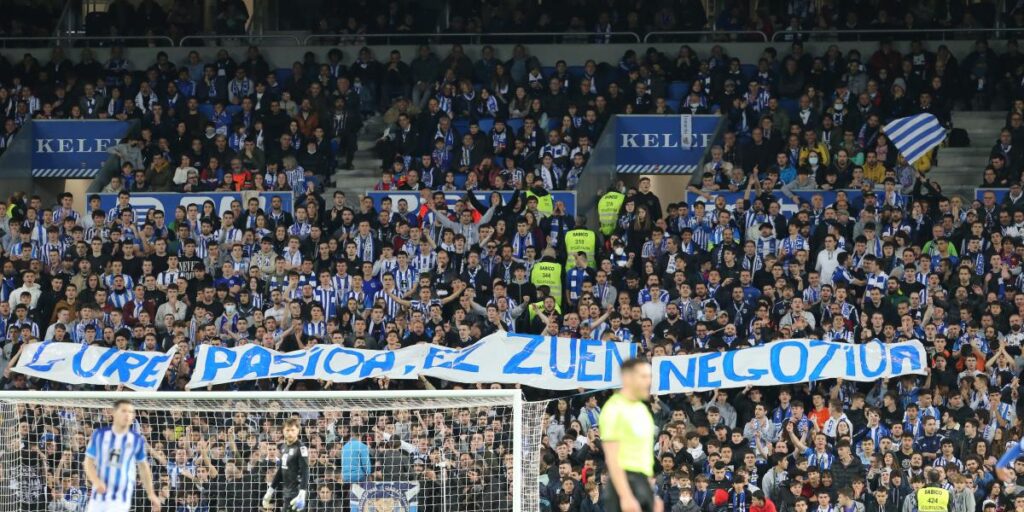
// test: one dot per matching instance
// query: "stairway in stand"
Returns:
(365, 172)
(959, 170)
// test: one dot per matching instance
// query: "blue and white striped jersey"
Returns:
(116, 456)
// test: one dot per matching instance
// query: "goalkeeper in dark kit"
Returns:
(292, 476)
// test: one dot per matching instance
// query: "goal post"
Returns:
(426, 450)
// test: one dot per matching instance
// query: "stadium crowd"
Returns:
(891, 258)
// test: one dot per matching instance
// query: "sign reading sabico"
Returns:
(663, 144)
(73, 148)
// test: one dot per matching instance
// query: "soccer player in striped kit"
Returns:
(114, 458)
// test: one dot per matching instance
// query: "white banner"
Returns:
(74, 363)
(787, 362)
(539, 361)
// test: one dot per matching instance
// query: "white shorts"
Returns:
(106, 506)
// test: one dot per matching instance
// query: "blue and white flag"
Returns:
(916, 135)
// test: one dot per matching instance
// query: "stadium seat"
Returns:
(791, 106)
(461, 126)
(486, 124)
(514, 125)
(283, 75)
(206, 110)
(748, 70)
(677, 90)
(673, 104)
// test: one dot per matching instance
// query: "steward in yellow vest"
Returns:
(932, 499)
(608, 211)
(545, 203)
(548, 272)
(579, 240)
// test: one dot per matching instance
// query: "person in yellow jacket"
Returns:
(873, 169)
(811, 144)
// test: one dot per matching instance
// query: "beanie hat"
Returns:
(720, 498)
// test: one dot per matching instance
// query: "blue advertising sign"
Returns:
(999, 192)
(413, 198)
(143, 202)
(654, 144)
(75, 148)
(788, 206)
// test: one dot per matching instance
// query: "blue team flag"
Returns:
(916, 135)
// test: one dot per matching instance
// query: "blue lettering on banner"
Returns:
(124, 364)
(586, 356)
(44, 366)
(777, 358)
(73, 363)
(514, 364)
(255, 361)
(343, 351)
(823, 362)
(571, 370)
(705, 370)
(213, 362)
(728, 364)
(382, 361)
(80, 356)
(151, 376)
(900, 355)
(612, 356)
(671, 372)
(865, 360)
(786, 362)
(286, 359)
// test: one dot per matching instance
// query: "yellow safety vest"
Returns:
(545, 203)
(608, 211)
(580, 240)
(546, 273)
(933, 499)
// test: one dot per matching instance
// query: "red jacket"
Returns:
(767, 507)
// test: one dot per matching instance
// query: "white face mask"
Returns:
(684, 499)
(813, 160)
(619, 251)
(838, 107)
(230, 309)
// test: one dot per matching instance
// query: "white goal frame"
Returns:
(399, 400)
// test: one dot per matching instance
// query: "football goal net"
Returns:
(381, 450)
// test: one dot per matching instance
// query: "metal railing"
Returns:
(699, 35)
(204, 40)
(155, 41)
(937, 33)
(475, 38)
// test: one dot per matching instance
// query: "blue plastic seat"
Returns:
(677, 90)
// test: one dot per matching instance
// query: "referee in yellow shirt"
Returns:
(627, 433)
